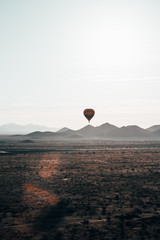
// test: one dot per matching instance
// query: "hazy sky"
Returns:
(58, 57)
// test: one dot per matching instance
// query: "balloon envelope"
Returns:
(89, 113)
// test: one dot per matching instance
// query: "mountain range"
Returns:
(103, 132)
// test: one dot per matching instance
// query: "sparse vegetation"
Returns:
(80, 191)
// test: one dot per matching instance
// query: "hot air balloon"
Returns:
(89, 113)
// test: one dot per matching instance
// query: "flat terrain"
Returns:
(79, 191)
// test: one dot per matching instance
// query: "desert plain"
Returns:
(79, 190)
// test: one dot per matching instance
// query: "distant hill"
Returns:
(156, 133)
(101, 131)
(54, 135)
(39, 134)
(13, 128)
(105, 130)
(153, 128)
(131, 133)
(63, 129)
(87, 131)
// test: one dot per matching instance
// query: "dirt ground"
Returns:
(80, 191)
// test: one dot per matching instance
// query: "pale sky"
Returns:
(58, 57)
